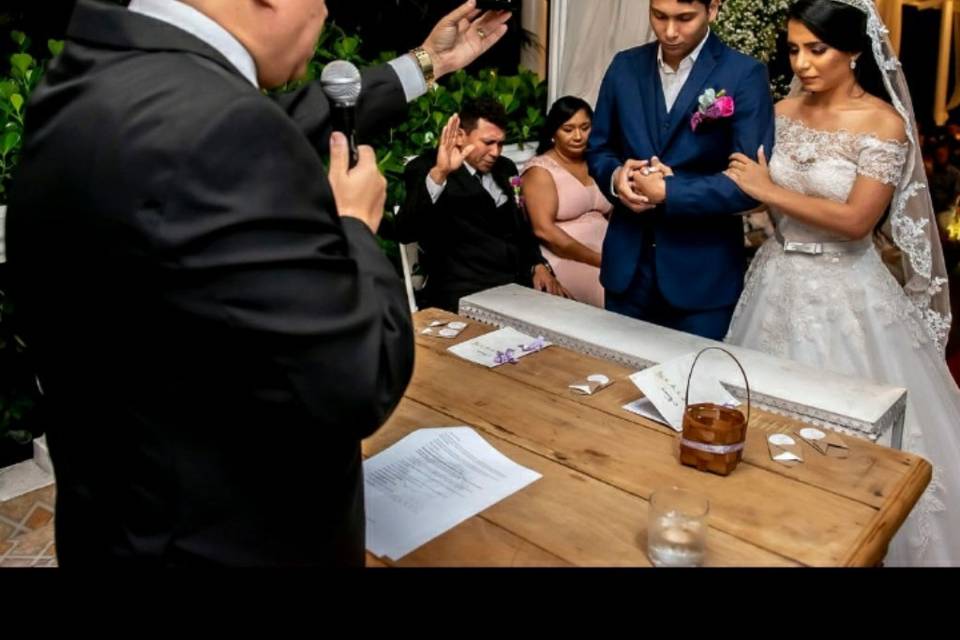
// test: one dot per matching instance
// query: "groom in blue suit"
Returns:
(673, 254)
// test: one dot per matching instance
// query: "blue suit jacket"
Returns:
(699, 237)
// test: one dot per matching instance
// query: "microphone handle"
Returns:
(352, 145)
(344, 120)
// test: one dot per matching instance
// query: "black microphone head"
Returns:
(341, 83)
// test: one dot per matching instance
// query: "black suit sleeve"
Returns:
(382, 102)
(414, 219)
(255, 247)
(532, 250)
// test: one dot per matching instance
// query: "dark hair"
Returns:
(489, 109)
(705, 3)
(844, 28)
(561, 111)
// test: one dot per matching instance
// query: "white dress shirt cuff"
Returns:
(434, 189)
(410, 76)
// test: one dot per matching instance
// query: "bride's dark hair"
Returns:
(844, 28)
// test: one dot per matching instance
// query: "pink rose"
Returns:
(724, 106)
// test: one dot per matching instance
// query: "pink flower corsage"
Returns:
(516, 183)
(714, 105)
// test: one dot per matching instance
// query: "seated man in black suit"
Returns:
(461, 208)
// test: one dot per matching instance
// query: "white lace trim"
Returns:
(874, 157)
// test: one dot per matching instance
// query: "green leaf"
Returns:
(17, 101)
(9, 141)
(19, 37)
(347, 47)
(55, 47)
(21, 61)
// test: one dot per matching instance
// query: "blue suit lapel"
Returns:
(686, 102)
(651, 90)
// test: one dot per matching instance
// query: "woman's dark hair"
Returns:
(843, 27)
(561, 111)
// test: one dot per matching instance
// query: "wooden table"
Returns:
(600, 465)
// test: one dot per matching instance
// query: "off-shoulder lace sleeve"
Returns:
(881, 160)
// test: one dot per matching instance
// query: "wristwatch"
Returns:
(426, 65)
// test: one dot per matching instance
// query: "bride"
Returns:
(845, 171)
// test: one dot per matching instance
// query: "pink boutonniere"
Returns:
(714, 105)
(516, 183)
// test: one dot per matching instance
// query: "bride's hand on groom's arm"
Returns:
(752, 177)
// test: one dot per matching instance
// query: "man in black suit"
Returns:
(462, 210)
(214, 325)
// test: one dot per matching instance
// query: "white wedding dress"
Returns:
(842, 310)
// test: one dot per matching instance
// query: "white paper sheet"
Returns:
(483, 350)
(643, 407)
(431, 481)
(665, 386)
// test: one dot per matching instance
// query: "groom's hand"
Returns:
(650, 184)
(623, 184)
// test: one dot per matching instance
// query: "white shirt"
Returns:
(673, 81)
(204, 28)
(486, 181)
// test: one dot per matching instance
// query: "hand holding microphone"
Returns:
(341, 84)
(360, 191)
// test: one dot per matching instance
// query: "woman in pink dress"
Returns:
(566, 208)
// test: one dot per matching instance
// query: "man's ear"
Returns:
(713, 10)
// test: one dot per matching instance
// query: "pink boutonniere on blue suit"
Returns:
(714, 105)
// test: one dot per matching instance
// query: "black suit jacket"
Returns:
(212, 339)
(469, 244)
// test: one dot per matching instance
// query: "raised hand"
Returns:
(461, 37)
(450, 157)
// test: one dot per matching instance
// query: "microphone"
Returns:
(340, 81)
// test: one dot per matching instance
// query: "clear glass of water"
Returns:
(677, 529)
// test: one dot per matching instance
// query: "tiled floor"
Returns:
(26, 530)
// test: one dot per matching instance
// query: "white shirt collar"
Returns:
(690, 60)
(188, 19)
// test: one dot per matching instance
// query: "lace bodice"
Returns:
(826, 164)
